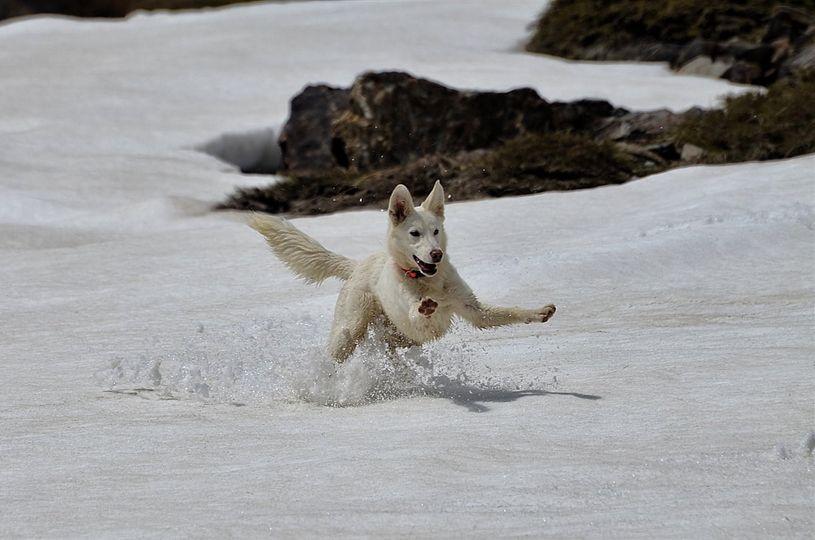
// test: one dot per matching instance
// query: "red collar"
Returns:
(412, 274)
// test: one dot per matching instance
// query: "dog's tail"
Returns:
(301, 253)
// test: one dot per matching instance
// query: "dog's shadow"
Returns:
(473, 398)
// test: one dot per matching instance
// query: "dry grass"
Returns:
(777, 124)
(611, 29)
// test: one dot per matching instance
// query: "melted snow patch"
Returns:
(253, 152)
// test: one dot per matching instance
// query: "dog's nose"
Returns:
(436, 255)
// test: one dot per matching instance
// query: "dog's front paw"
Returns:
(546, 313)
(428, 307)
(543, 314)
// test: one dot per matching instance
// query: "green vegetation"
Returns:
(557, 160)
(613, 29)
(526, 164)
(317, 194)
(777, 124)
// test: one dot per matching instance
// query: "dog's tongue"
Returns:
(429, 269)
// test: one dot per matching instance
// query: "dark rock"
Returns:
(745, 73)
(734, 60)
(583, 115)
(306, 140)
(802, 59)
(666, 151)
(691, 153)
(696, 48)
(395, 118)
(705, 66)
(643, 128)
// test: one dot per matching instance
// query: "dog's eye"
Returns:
(415, 233)
(436, 231)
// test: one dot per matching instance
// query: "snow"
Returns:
(163, 375)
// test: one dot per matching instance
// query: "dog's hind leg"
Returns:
(355, 309)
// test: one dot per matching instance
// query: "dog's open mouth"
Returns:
(426, 268)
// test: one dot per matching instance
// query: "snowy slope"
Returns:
(670, 396)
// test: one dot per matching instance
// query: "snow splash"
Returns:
(268, 361)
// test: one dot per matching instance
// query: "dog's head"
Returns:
(416, 236)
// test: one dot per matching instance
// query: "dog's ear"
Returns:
(400, 205)
(435, 201)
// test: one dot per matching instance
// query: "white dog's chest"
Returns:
(401, 301)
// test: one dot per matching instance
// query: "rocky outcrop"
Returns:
(392, 118)
(395, 118)
(751, 42)
(649, 131)
(785, 48)
(349, 147)
(306, 142)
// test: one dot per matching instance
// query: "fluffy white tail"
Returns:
(301, 253)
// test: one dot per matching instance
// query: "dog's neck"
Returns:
(410, 273)
(416, 278)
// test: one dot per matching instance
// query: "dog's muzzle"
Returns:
(427, 269)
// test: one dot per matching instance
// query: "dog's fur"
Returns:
(417, 299)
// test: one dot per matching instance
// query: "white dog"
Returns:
(412, 287)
